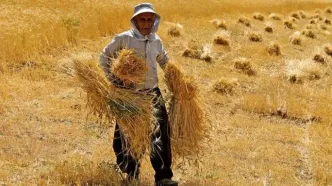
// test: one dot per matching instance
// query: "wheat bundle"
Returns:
(309, 33)
(328, 10)
(186, 113)
(258, 16)
(255, 37)
(328, 49)
(175, 30)
(274, 16)
(129, 68)
(273, 49)
(268, 29)
(295, 15)
(295, 38)
(219, 24)
(288, 25)
(134, 112)
(245, 21)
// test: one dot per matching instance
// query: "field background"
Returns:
(267, 130)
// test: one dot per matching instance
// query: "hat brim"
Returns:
(145, 10)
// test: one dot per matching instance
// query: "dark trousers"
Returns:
(161, 156)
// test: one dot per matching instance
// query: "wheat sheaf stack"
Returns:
(132, 111)
(186, 113)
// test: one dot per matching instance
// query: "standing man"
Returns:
(143, 38)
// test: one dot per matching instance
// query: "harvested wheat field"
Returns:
(267, 97)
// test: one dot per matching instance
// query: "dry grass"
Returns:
(186, 113)
(80, 170)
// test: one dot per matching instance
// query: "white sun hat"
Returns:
(143, 8)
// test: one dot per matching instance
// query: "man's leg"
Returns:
(161, 156)
(125, 161)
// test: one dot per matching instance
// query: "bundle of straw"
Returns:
(129, 68)
(186, 113)
(134, 112)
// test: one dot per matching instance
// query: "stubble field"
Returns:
(266, 83)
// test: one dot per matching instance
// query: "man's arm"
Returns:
(162, 58)
(108, 54)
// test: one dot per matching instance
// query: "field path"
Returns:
(305, 174)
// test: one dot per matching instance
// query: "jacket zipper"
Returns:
(146, 49)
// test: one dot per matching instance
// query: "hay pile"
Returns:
(258, 16)
(295, 15)
(242, 64)
(193, 50)
(309, 33)
(273, 49)
(268, 29)
(319, 58)
(302, 14)
(298, 71)
(186, 113)
(288, 25)
(328, 10)
(295, 38)
(196, 51)
(133, 112)
(245, 21)
(328, 49)
(219, 24)
(225, 86)
(255, 37)
(274, 16)
(175, 30)
(222, 38)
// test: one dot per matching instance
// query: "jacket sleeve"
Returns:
(108, 54)
(162, 58)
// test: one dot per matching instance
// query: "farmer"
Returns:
(143, 38)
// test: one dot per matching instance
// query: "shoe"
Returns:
(166, 182)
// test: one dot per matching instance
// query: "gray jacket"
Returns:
(148, 47)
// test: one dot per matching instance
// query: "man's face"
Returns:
(144, 22)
